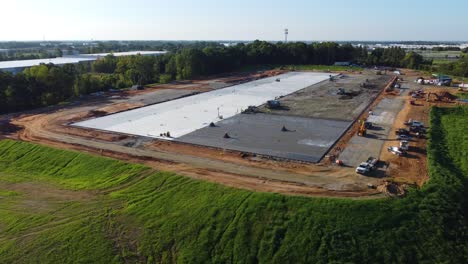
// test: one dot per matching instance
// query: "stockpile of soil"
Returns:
(447, 95)
(391, 189)
(96, 113)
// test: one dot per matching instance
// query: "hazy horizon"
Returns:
(233, 40)
(209, 20)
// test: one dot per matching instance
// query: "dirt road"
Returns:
(47, 129)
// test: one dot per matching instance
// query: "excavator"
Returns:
(362, 128)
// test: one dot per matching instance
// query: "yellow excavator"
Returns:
(362, 128)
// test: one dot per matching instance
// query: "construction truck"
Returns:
(367, 166)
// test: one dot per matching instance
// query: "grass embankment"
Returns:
(72, 170)
(462, 95)
(162, 217)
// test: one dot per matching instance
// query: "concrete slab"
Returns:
(185, 115)
(307, 139)
(322, 100)
(160, 95)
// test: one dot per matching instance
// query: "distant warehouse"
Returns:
(19, 65)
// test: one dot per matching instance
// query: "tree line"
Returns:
(29, 54)
(50, 84)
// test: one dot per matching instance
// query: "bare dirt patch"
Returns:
(41, 197)
(413, 168)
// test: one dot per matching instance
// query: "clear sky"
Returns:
(233, 20)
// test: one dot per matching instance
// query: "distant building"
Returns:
(19, 65)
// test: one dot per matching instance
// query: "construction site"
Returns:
(339, 134)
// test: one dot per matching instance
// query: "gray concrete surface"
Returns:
(322, 101)
(307, 139)
(159, 96)
(383, 117)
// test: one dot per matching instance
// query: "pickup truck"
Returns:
(397, 151)
(417, 129)
(368, 166)
(404, 145)
(414, 123)
(404, 137)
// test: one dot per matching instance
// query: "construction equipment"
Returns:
(273, 104)
(251, 110)
(362, 128)
(368, 125)
(367, 166)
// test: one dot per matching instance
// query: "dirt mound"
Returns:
(391, 189)
(446, 95)
(96, 113)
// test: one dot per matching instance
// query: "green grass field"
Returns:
(440, 56)
(462, 95)
(65, 207)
